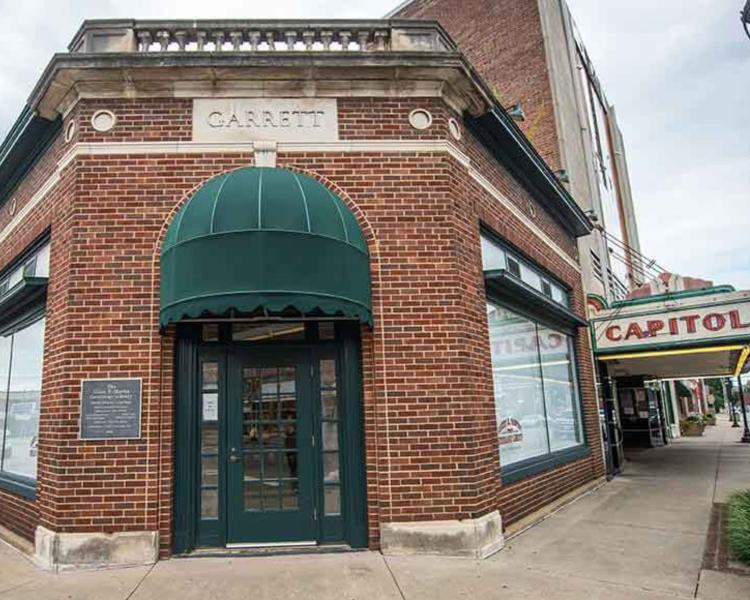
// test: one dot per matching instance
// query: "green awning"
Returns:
(267, 239)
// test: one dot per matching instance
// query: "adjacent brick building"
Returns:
(534, 59)
(325, 294)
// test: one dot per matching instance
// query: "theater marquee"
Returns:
(614, 331)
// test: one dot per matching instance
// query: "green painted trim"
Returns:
(185, 424)
(25, 144)
(533, 466)
(20, 486)
(347, 347)
(521, 297)
(673, 346)
(355, 525)
(508, 247)
(599, 299)
(719, 289)
(502, 137)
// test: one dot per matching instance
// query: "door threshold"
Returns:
(268, 550)
(241, 545)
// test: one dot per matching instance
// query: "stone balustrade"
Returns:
(259, 36)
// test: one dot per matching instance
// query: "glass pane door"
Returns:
(269, 459)
(269, 438)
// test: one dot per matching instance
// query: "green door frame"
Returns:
(352, 527)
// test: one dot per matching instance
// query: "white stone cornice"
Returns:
(392, 146)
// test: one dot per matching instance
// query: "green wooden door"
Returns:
(271, 482)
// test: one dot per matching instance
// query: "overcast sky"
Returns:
(678, 73)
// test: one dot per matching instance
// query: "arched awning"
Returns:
(269, 239)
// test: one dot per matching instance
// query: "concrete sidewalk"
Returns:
(641, 536)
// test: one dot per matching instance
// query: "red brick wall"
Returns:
(503, 39)
(475, 206)
(18, 514)
(431, 449)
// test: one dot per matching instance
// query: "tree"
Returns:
(718, 391)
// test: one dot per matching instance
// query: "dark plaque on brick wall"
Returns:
(110, 409)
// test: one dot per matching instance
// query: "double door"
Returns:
(271, 445)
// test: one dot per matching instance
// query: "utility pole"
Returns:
(745, 434)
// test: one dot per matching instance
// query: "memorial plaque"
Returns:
(110, 409)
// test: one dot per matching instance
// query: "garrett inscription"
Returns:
(265, 119)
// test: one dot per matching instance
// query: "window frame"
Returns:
(19, 484)
(526, 301)
(538, 464)
(514, 254)
(20, 308)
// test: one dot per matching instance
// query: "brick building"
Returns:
(534, 59)
(282, 283)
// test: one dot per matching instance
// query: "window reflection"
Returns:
(22, 352)
(536, 399)
(255, 332)
(559, 389)
(519, 399)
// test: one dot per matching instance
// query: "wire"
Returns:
(650, 261)
(647, 270)
(627, 247)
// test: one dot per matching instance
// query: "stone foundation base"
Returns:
(61, 551)
(471, 538)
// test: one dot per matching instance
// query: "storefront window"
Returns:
(21, 353)
(536, 399)
(560, 401)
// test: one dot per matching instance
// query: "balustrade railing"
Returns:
(259, 36)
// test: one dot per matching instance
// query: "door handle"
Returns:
(233, 458)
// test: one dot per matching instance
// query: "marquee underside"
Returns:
(712, 361)
(680, 335)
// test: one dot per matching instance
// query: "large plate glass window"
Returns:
(537, 402)
(21, 351)
(536, 398)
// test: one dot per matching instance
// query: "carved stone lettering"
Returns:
(265, 119)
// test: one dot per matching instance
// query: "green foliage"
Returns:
(697, 419)
(715, 386)
(739, 526)
(718, 391)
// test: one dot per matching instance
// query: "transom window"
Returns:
(496, 256)
(36, 265)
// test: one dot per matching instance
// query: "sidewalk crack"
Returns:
(140, 581)
(393, 577)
